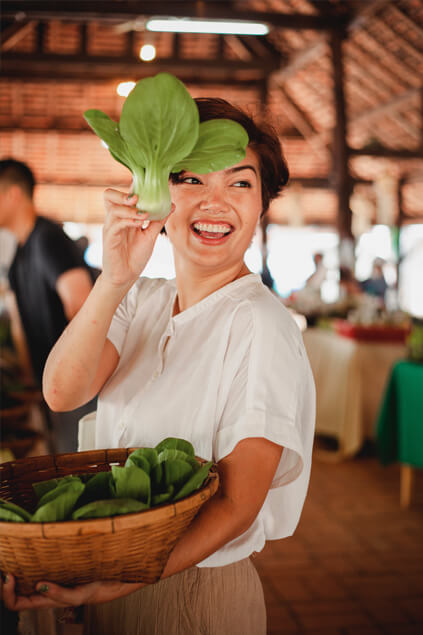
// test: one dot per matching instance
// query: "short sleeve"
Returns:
(123, 317)
(58, 253)
(262, 389)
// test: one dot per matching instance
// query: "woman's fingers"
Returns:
(155, 227)
(50, 595)
(65, 596)
(121, 205)
(119, 198)
(21, 603)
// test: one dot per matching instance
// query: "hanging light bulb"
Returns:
(124, 88)
(147, 52)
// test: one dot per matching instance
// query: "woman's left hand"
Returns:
(53, 596)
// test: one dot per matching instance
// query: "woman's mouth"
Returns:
(212, 232)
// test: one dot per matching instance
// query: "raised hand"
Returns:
(127, 242)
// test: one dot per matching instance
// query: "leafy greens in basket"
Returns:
(150, 477)
(159, 132)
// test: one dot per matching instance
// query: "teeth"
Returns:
(206, 227)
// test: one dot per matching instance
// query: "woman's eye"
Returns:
(191, 180)
(242, 184)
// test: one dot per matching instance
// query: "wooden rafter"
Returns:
(14, 33)
(30, 65)
(402, 15)
(387, 153)
(301, 122)
(110, 10)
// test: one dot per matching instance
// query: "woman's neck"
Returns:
(193, 285)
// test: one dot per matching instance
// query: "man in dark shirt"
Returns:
(49, 278)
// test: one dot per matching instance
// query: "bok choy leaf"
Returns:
(159, 132)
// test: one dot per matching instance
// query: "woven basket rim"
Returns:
(106, 525)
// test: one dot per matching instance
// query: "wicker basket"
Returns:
(130, 548)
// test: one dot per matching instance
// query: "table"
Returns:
(350, 377)
(400, 423)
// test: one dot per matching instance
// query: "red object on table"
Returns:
(371, 333)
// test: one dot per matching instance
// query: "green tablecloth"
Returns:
(400, 422)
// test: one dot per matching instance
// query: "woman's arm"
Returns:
(83, 359)
(246, 475)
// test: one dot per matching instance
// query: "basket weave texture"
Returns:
(129, 548)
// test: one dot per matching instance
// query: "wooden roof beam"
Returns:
(110, 10)
(31, 65)
(13, 33)
(299, 119)
(386, 153)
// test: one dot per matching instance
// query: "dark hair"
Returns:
(264, 141)
(14, 172)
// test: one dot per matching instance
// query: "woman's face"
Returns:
(216, 214)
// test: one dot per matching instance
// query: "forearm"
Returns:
(73, 362)
(218, 522)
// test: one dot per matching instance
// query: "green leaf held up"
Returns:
(159, 132)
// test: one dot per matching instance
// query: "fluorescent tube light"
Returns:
(197, 25)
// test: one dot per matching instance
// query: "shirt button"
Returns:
(121, 425)
(156, 374)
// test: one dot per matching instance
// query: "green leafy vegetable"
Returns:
(195, 482)
(150, 454)
(163, 497)
(150, 476)
(53, 493)
(139, 461)
(132, 482)
(61, 506)
(99, 487)
(42, 487)
(172, 443)
(11, 512)
(176, 473)
(159, 133)
(115, 507)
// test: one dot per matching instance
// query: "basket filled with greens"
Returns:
(99, 515)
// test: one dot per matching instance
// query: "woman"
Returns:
(212, 357)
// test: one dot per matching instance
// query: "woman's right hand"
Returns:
(127, 247)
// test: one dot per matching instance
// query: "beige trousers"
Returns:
(199, 601)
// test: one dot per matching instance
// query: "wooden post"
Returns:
(340, 153)
(266, 276)
(397, 229)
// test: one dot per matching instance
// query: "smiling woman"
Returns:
(211, 357)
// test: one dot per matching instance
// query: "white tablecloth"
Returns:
(350, 379)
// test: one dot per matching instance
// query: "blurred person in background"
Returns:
(50, 281)
(376, 284)
(317, 278)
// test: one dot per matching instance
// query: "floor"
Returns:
(355, 563)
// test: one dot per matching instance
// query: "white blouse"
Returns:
(232, 366)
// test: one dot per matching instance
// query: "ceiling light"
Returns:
(197, 25)
(147, 52)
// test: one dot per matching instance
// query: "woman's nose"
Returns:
(214, 200)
